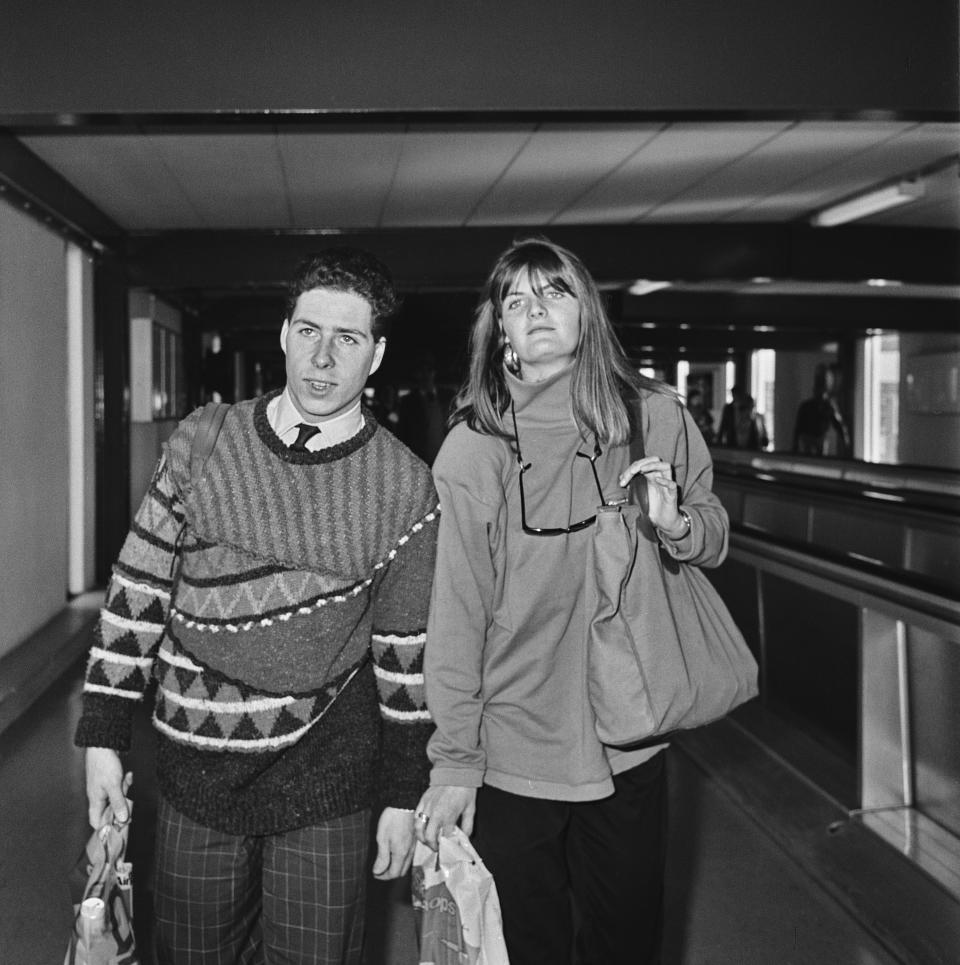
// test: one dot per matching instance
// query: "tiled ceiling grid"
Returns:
(523, 174)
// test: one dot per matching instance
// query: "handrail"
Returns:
(920, 479)
(938, 612)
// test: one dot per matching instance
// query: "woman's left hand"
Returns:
(441, 808)
(662, 492)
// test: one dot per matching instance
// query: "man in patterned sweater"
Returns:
(280, 603)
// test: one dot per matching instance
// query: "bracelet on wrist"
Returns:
(687, 526)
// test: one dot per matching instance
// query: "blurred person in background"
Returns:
(820, 429)
(696, 406)
(741, 426)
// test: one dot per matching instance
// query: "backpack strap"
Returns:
(205, 440)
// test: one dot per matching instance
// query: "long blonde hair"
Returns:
(604, 382)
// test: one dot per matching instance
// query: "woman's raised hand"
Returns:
(662, 492)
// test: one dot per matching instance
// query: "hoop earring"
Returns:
(510, 358)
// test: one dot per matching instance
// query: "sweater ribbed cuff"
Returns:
(404, 768)
(105, 722)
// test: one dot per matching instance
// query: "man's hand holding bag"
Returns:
(103, 923)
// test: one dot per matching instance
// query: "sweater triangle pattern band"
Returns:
(194, 708)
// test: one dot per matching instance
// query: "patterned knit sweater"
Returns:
(288, 651)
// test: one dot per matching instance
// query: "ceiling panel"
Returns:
(441, 176)
(557, 166)
(913, 148)
(771, 176)
(233, 180)
(121, 174)
(336, 181)
(680, 155)
(938, 208)
(523, 174)
(796, 152)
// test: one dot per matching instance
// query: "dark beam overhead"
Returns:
(34, 187)
(458, 258)
(809, 57)
(752, 312)
(670, 314)
(718, 346)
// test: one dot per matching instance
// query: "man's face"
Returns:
(330, 350)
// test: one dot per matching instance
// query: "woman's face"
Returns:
(542, 323)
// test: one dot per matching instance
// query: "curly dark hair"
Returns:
(347, 270)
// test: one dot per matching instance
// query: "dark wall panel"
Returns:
(135, 56)
(812, 643)
(737, 585)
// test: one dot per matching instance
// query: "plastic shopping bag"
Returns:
(103, 923)
(457, 905)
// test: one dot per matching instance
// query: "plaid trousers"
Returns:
(295, 897)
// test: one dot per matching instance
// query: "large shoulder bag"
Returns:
(663, 652)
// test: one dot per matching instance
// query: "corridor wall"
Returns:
(33, 429)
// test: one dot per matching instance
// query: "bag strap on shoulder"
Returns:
(638, 491)
(205, 440)
(638, 485)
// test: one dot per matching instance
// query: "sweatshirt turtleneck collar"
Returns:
(542, 404)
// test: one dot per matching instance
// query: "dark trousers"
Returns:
(295, 897)
(608, 856)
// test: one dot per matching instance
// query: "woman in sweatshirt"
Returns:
(540, 438)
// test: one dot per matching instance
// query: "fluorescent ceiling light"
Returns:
(870, 203)
(644, 286)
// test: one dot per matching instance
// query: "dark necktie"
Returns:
(306, 432)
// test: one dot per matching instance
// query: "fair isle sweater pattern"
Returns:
(273, 616)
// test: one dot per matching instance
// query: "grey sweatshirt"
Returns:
(505, 661)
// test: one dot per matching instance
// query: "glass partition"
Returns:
(887, 397)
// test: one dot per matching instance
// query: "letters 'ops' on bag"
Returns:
(663, 652)
(103, 926)
(458, 910)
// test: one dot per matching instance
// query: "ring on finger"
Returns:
(421, 816)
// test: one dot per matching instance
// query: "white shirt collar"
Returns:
(284, 417)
